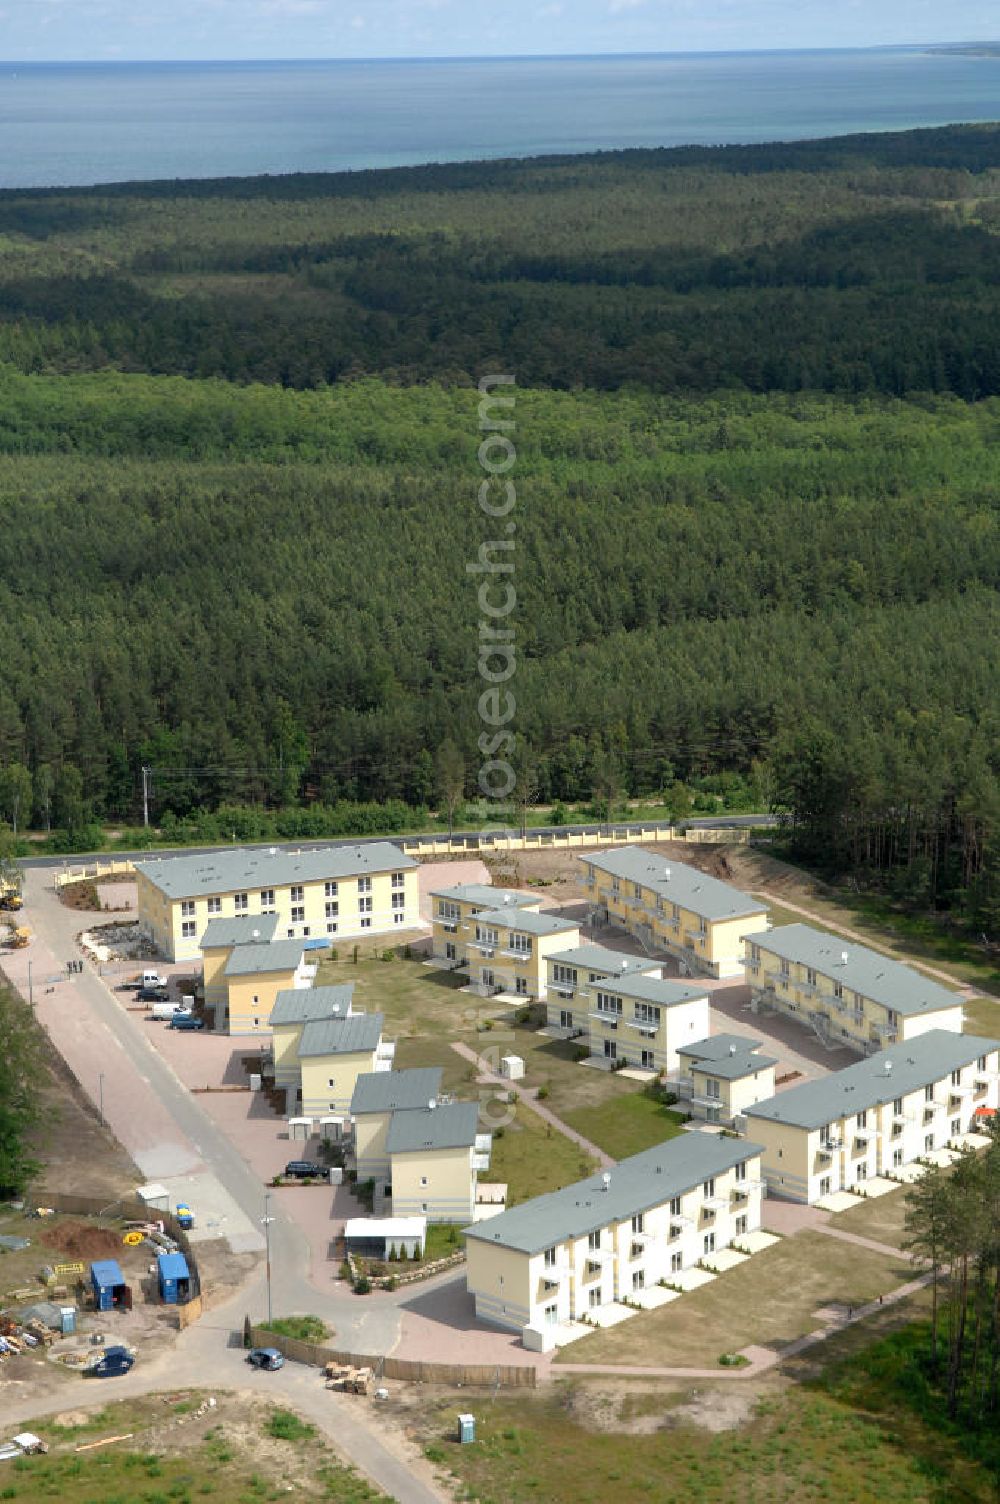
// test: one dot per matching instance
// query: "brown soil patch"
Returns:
(81, 895)
(80, 1240)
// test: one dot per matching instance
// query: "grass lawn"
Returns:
(769, 1300)
(799, 1449)
(880, 1218)
(627, 1123)
(415, 999)
(532, 1157)
(231, 1454)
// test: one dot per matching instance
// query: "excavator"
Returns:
(19, 937)
(10, 897)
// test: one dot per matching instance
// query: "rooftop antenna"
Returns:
(431, 1105)
(843, 958)
(606, 1180)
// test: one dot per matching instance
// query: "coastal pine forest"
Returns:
(757, 429)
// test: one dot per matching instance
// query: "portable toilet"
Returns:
(466, 1429)
(68, 1320)
(512, 1067)
(174, 1278)
(111, 1293)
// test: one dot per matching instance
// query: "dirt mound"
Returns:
(82, 895)
(81, 1240)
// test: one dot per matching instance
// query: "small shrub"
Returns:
(581, 1053)
(435, 1453)
(285, 1425)
(542, 1093)
(362, 1286)
(334, 954)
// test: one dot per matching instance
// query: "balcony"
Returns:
(713, 1204)
(700, 1101)
(557, 1274)
(480, 1162)
(831, 1142)
(565, 990)
(602, 1016)
(647, 1030)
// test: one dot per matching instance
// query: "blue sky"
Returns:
(82, 29)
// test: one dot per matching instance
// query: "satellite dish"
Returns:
(431, 1105)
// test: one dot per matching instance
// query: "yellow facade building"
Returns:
(435, 1156)
(875, 1117)
(376, 1097)
(509, 950)
(453, 917)
(611, 1237)
(673, 907)
(255, 974)
(330, 893)
(720, 1078)
(292, 1010)
(217, 943)
(644, 1021)
(571, 973)
(333, 1053)
(844, 992)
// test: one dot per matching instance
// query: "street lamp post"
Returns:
(31, 990)
(267, 1220)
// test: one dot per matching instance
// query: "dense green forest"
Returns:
(757, 419)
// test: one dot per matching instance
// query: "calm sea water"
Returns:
(92, 123)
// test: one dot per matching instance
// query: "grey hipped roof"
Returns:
(487, 896)
(719, 1046)
(879, 1078)
(341, 1036)
(427, 1128)
(386, 1091)
(650, 990)
(731, 1057)
(527, 921)
(874, 976)
(635, 1184)
(299, 1005)
(251, 960)
(676, 882)
(612, 963)
(241, 929)
(238, 871)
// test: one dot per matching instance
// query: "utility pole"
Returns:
(145, 795)
(267, 1220)
(31, 990)
(100, 1093)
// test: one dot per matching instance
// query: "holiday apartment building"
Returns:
(509, 949)
(572, 972)
(721, 1077)
(453, 917)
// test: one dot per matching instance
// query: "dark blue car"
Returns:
(266, 1357)
(114, 1362)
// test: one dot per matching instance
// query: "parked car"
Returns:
(167, 1010)
(266, 1357)
(153, 995)
(152, 979)
(114, 1362)
(301, 1169)
(183, 1020)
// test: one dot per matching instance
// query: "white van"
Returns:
(167, 1010)
(152, 979)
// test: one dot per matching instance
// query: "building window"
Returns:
(863, 1119)
(610, 1049)
(741, 1170)
(675, 1206)
(565, 1019)
(929, 1142)
(398, 880)
(784, 968)
(741, 1225)
(638, 1222)
(981, 1063)
(897, 1107)
(297, 894)
(331, 928)
(593, 1240)
(647, 1060)
(712, 1087)
(187, 907)
(708, 1189)
(708, 1243)
(897, 1158)
(298, 913)
(329, 890)
(838, 989)
(364, 905)
(638, 1279)
(956, 1127)
(811, 976)
(929, 1093)
(423, 1180)
(521, 986)
(364, 884)
(606, 1003)
(188, 927)
(450, 954)
(956, 1078)
(647, 1013)
(398, 900)
(398, 917)
(241, 902)
(366, 922)
(215, 905)
(550, 1258)
(676, 1263)
(266, 899)
(332, 910)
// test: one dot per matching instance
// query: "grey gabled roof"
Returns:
(635, 1184)
(525, 920)
(879, 1078)
(248, 960)
(241, 929)
(612, 963)
(487, 896)
(719, 1046)
(735, 1063)
(341, 1036)
(385, 1091)
(242, 871)
(299, 1005)
(426, 1128)
(650, 990)
(875, 976)
(676, 882)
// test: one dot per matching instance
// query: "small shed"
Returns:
(300, 1129)
(155, 1198)
(174, 1279)
(378, 1237)
(511, 1067)
(111, 1293)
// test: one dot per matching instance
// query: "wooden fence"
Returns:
(127, 1209)
(475, 1375)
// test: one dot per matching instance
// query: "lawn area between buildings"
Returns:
(533, 1157)
(229, 1453)
(879, 1218)
(770, 1300)
(580, 1445)
(627, 1124)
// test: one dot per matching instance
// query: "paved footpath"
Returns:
(529, 1094)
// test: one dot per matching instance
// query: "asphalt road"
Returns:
(718, 822)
